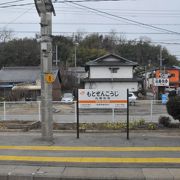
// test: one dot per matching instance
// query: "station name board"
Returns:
(102, 99)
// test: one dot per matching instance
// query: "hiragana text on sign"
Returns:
(102, 94)
(93, 98)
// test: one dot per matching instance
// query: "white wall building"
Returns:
(111, 72)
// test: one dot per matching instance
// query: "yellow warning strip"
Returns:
(89, 159)
(86, 148)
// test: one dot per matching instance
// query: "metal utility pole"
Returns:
(75, 54)
(56, 55)
(145, 69)
(45, 9)
(160, 59)
(75, 61)
(56, 61)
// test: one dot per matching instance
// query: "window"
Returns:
(113, 70)
(172, 75)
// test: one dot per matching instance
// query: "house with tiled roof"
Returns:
(111, 72)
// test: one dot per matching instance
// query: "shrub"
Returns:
(164, 120)
(173, 107)
(141, 122)
(152, 126)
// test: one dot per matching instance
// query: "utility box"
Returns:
(44, 46)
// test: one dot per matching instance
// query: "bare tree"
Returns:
(5, 35)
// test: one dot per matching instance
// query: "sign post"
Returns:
(102, 99)
(127, 115)
(77, 111)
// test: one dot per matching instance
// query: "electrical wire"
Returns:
(7, 24)
(55, 32)
(89, 23)
(87, 1)
(105, 32)
(99, 14)
(16, 5)
(122, 10)
(164, 15)
(126, 19)
(90, 1)
(10, 2)
(88, 13)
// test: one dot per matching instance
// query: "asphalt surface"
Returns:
(146, 155)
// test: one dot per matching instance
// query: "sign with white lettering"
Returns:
(102, 99)
(161, 82)
(164, 76)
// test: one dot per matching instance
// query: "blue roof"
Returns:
(22, 74)
(176, 67)
(6, 85)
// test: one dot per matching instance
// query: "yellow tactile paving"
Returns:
(89, 159)
(86, 148)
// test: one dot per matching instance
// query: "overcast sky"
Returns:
(126, 17)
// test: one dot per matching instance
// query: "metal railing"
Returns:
(20, 110)
(147, 110)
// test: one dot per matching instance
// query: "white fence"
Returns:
(148, 110)
(20, 110)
